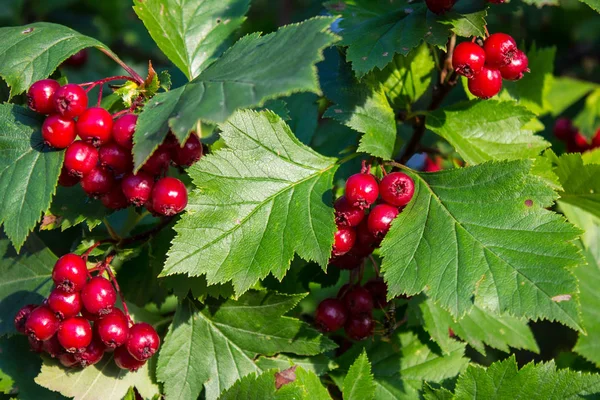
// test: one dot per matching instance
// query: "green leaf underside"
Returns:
(215, 346)
(71, 206)
(28, 172)
(192, 33)
(32, 52)
(580, 183)
(240, 78)
(359, 383)
(257, 202)
(493, 244)
(487, 130)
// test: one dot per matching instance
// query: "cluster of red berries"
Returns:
(79, 322)
(101, 161)
(486, 66)
(565, 131)
(443, 6)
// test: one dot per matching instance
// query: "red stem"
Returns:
(113, 279)
(92, 247)
(137, 78)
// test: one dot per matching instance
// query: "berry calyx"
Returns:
(80, 158)
(381, 218)
(517, 67)
(123, 130)
(124, 360)
(359, 327)
(143, 341)
(397, 189)
(564, 129)
(158, 162)
(169, 196)
(362, 190)
(346, 214)
(65, 305)
(500, 49)
(41, 323)
(21, 317)
(190, 153)
(440, 6)
(330, 315)
(486, 84)
(137, 188)
(70, 100)
(115, 199)
(97, 182)
(98, 296)
(343, 240)
(40, 96)
(358, 300)
(95, 126)
(75, 334)
(115, 158)
(58, 132)
(113, 329)
(70, 273)
(378, 290)
(92, 354)
(468, 59)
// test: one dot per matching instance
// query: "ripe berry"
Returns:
(440, 6)
(468, 59)
(346, 214)
(499, 49)
(343, 290)
(68, 360)
(365, 238)
(343, 240)
(98, 296)
(330, 315)
(41, 323)
(40, 96)
(89, 316)
(517, 67)
(58, 132)
(70, 273)
(486, 84)
(564, 129)
(95, 126)
(65, 305)
(359, 327)
(77, 59)
(397, 189)
(137, 188)
(596, 139)
(66, 180)
(97, 182)
(124, 360)
(80, 158)
(70, 100)
(37, 346)
(115, 199)
(53, 347)
(578, 143)
(190, 152)
(143, 341)
(362, 190)
(158, 162)
(358, 300)
(432, 165)
(123, 130)
(91, 354)
(21, 317)
(169, 196)
(113, 329)
(378, 290)
(115, 158)
(381, 218)
(75, 334)
(346, 261)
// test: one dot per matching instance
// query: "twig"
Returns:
(113, 279)
(126, 67)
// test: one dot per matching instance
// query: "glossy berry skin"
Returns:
(70, 100)
(468, 59)
(113, 329)
(40, 96)
(53, 347)
(564, 129)
(115, 158)
(578, 143)
(347, 261)
(499, 49)
(58, 132)
(169, 196)
(440, 6)
(381, 218)
(99, 296)
(92, 354)
(21, 317)
(143, 341)
(486, 84)
(65, 305)
(362, 190)
(75, 334)
(95, 126)
(346, 214)
(70, 273)
(124, 360)
(137, 188)
(115, 199)
(68, 360)
(189, 154)
(158, 162)
(358, 300)
(89, 316)
(80, 158)
(77, 59)
(123, 130)
(397, 189)
(331, 315)
(378, 290)
(67, 180)
(41, 323)
(97, 182)
(517, 67)
(359, 327)
(343, 240)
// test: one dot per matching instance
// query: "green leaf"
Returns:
(254, 69)
(580, 183)
(594, 4)
(487, 130)
(216, 345)
(502, 249)
(542, 3)
(192, 33)
(71, 206)
(304, 114)
(469, 24)
(263, 188)
(359, 383)
(319, 365)
(32, 52)
(588, 120)
(182, 285)
(565, 91)
(28, 172)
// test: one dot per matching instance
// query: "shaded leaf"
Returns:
(71, 206)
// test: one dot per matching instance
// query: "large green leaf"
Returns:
(32, 52)
(487, 130)
(580, 183)
(588, 120)
(253, 70)
(359, 383)
(594, 4)
(320, 364)
(258, 201)
(216, 345)
(565, 91)
(71, 206)
(483, 235)
(192, 33)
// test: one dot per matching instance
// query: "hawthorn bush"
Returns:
(350, 199)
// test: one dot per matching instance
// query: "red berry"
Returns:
(431, 165)
(346, 214)
(123, 130)
(440, 6)
(158, 162)
(67, 180)
(343, 290)
(75, 334)
(68, 360)
(564, 129)
(113, 329)
(596, 139)
(169, 196)
(362, 190)
(330, 315)
(143, 341)
(53, 347)
(89, 316)
(343, 241)
(358, 300)
(37, 346)
(397, 189)
(70, 273)
(40, 96)
(115, 158)
(468, 59)
(124, 360)
(65, 305)
(347, 261)
(381, 218)
(578, 143)
(58, 132)
(77, 59)
(359, 327)
(500, 49)
(115, 199)
(21, 317)
(95, 126)
(97, 182)
(92, 354)
(99, 296)
(137, 188)
(516, 68)
(496, 1)
(70, 100)
(365, 238)
(80, 158)
(486, 84)
(378, 290)
(190, 152)
(41, 323)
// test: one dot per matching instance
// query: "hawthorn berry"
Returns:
(123, 130)
(137, 188)
(397, 189)
(21, 317)
(70, 100)
(346, 214)
(578, 143)
(37, 346)
(67, 180)
(95, 126)
(362, 190)
(330, 315)
(596, 139)
(564, 129)
(143, 341)
(468, 59)
(58, 132)
(80, 158)
(97, 182)
(77, 59)
(92, 354)
(343, 241)
(346, 261)
(358, 300)
(115, 199)
(440, 6)
(359, 327)
(432, 165)
(486, 84)
(113, 329)
(124, 360)
(70, 273)
(115, 158)
(343, 290)
(41, 323)
(65, 305)
(40, 96)
(190, 153)
(158, 162)
(53, 347)
(517, 67)
(381, 218)
(89, 316)
(169, 196)
(98, 296)
(500, 49)
(378, 290)
(75, 334)
(68, 360)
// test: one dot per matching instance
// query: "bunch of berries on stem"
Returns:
(565, 131)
